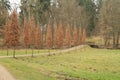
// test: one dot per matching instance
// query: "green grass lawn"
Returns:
(22, 52)
(82, 64)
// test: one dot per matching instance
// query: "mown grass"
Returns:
(85, 64)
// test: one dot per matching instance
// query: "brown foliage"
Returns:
(75, 37)
(68, 36)
(38, 37)
(14, 31)
(55, 36)
(7, 33)
(26, 33)
(32, 28)
(82, 36)
(49, 37)
(60, 35)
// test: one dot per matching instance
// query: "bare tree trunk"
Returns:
(117, 40)
(14, 52)
(113, 40)
(32, 52)
(26, 50)
(106, 40)
(38, 51)
(49, 52)
(7, 51)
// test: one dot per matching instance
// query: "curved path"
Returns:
(47, 53)
(5, 75)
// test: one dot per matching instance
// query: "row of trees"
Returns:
(33, 36)
(81, 13)
(67, 38)
(58, 38)
(96, 16)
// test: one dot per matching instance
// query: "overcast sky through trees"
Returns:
(15, 4)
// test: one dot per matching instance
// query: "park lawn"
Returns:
(81, 64)
(23, 51)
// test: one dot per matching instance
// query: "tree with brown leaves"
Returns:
(7, 35)
(14, 32)
(75, 37)
(82, 36)
(60, 35)
(26, 34)
(55, 37)
(49, 37)
(68, 36)
(48, 41)
(32, 33)
(38, 37)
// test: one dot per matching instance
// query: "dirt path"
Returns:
(5, 75)
(47, 53)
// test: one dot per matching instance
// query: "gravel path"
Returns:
(5, 75)
(47, 53)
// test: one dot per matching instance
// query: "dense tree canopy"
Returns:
(85, 17)
(109, 21)
(37, 8)
(4, 6)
